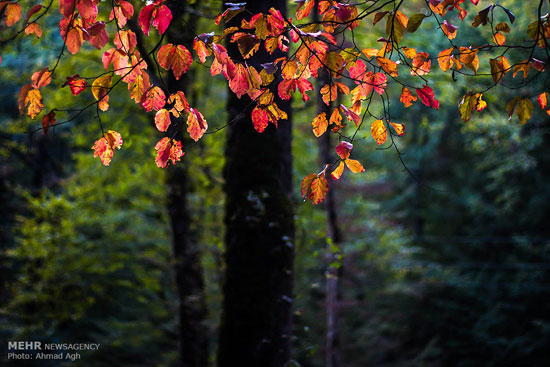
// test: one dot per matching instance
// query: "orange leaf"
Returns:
(13, 13)
(499, 38)
(138, 87)
(449, 29)
(196, 124)
(445, 59)
(320, 124)
(542, 100)
(304, 8)
(177, 58)
(180, 103)
(399, 128)
(421, 64)
(315, 187)
(200, 48)
(354, 166)
(406, 97)
(104, 148)
(41, 78)
(162, 119)
(379, 132)
(387, 65)
(33, 28)
(499, 67)
(337, 173)
(33, 102)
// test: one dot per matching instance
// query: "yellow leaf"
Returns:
(354, 166)
(524, 110)
(320, 124)
(337, 173)
(379, 132)
(33, 101)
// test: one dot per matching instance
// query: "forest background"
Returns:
(447, 266)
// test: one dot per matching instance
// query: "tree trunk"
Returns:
(257, 307)
(332, 274)
(193, 341)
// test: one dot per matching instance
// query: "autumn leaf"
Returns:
(177, 58)
(449, 29)
(427, 96)
(421, 64)
(542, 100)
(320, 124)
(168, 150)
(100, 89)
(399, 128)
(445, 59)
(344, 149)
(315, 187)
(153, 99)
(469, 58)
(13, 13)
(354, 166)
(337, 173)
(200, 48)
(407, 97)
(122, 11)
(260, 119)
(41, 78)
(470, 102)
(414, 22)
(196, 124)
(47, 121)
(379, 132)
(387, 65)
(179, 102)
(104, 148)
(499, 67)
(156, 14)
(138, 87)
(304, 8)
(524, 110)
(162, 119)
(33, 28)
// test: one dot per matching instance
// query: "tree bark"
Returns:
(257, 307)
(332, 274)
(193, 341)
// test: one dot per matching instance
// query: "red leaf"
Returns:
(168, 150)
(144, 19)
(177, 58)
(98, 36)
(162, 18)
(76, 85)
(196, 124)
(426, 95)
(343, 149)
(259, 119)
(47, 121)
(87, 9)
(238, 83)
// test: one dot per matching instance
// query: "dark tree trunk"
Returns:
(257, 308)
(333, 274)
(193, 341)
